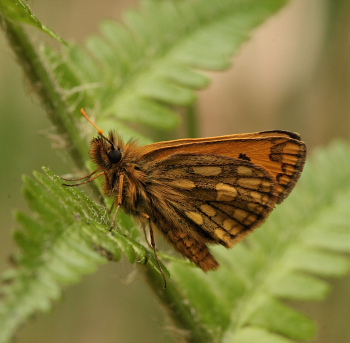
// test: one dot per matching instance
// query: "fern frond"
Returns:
(302, 241)
(137, 71)
(68, 237)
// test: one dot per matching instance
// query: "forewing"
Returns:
(281, 153)
(216, 196)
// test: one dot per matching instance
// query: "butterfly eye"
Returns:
(115, 156)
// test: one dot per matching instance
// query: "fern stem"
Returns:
(43, 84)
(188, 329)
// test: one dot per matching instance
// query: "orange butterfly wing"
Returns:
(281, 153)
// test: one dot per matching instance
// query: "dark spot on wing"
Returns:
(243, 157)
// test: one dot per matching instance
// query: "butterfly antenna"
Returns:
(99, 131)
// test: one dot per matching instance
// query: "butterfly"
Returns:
(202, 191)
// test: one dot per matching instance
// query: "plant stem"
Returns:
(43, 84)
(49, 92)
(187, 327)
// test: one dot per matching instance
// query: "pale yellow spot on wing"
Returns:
(225, 192)
(252, 183)
(266, 186)
(196, 217)
(250, 219)
(207, 171)
(222, 235)
(208, 210)
(256, 208)
(265, 199)
(257, 197)
(240, 214)
(244, 171)
(183, 183)
(231, 226)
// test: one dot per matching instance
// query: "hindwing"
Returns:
(218, 196)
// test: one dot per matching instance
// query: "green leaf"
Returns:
(68, 238)
(249, 335)
(298, 286)
(280, 318)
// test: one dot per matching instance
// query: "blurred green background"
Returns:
(293, 74)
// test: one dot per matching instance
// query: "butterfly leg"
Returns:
(119, 199)
(90, 179)
(153, 246)
(146, 238)
(114, 218)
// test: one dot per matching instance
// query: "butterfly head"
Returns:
(106, 152)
